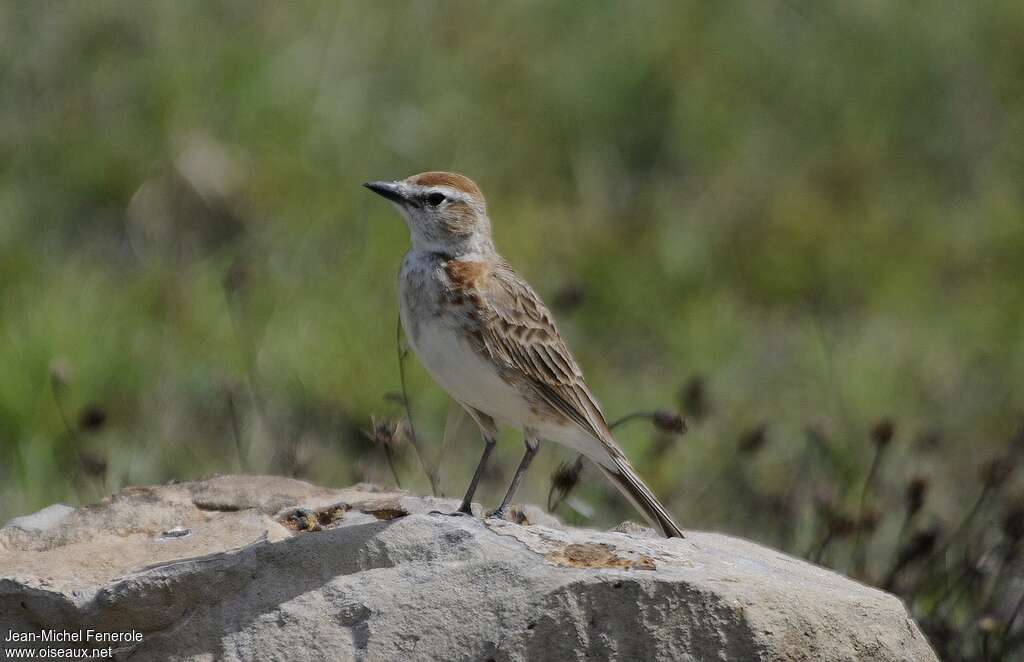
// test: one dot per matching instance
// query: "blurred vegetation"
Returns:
(793, 223)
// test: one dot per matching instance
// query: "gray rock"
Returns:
(259, 567)
(47, 518)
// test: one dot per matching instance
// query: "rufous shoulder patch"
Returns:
(467, 275)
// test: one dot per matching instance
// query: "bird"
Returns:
(486, 337)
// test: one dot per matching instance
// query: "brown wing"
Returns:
(520, 335)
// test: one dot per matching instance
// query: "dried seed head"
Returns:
(869, 519)
(384, 432)
(753, 440)
(919, 546)
(669, 421)
(566, 476)
(92, 418)
(92, 465)
(839, 524)
(917, 490)
(882, 433)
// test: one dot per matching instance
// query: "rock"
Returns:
(260, 567)
(37, 522)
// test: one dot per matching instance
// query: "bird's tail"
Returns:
(625, 478)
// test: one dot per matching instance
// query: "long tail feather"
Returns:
(625, 478)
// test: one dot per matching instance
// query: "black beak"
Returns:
(393, 191)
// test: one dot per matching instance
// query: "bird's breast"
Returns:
(441, 336)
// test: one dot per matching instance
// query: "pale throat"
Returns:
(477, 244)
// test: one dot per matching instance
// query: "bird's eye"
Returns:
(435, 199)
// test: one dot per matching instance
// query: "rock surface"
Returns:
(259, 567)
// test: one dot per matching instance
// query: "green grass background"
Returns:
(815, 206)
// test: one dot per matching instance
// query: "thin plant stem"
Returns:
(975, 509)
(1016, 612)
(941, 550)
(998, 576)
(64, 419)
(391, 465)
(857, 559)
(821, 547)
(787, 533)
(413, 439)
(707, 489)
(894, 567)
(939, 607)
(630, 417)
(236, 430)
(258, 410)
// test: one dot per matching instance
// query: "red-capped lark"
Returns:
(486, 337)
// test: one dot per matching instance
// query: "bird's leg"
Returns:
(532, 444)
(489, 431)
(467, 501)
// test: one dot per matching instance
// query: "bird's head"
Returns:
(445, 211)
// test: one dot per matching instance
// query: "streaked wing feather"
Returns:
(519, 333)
